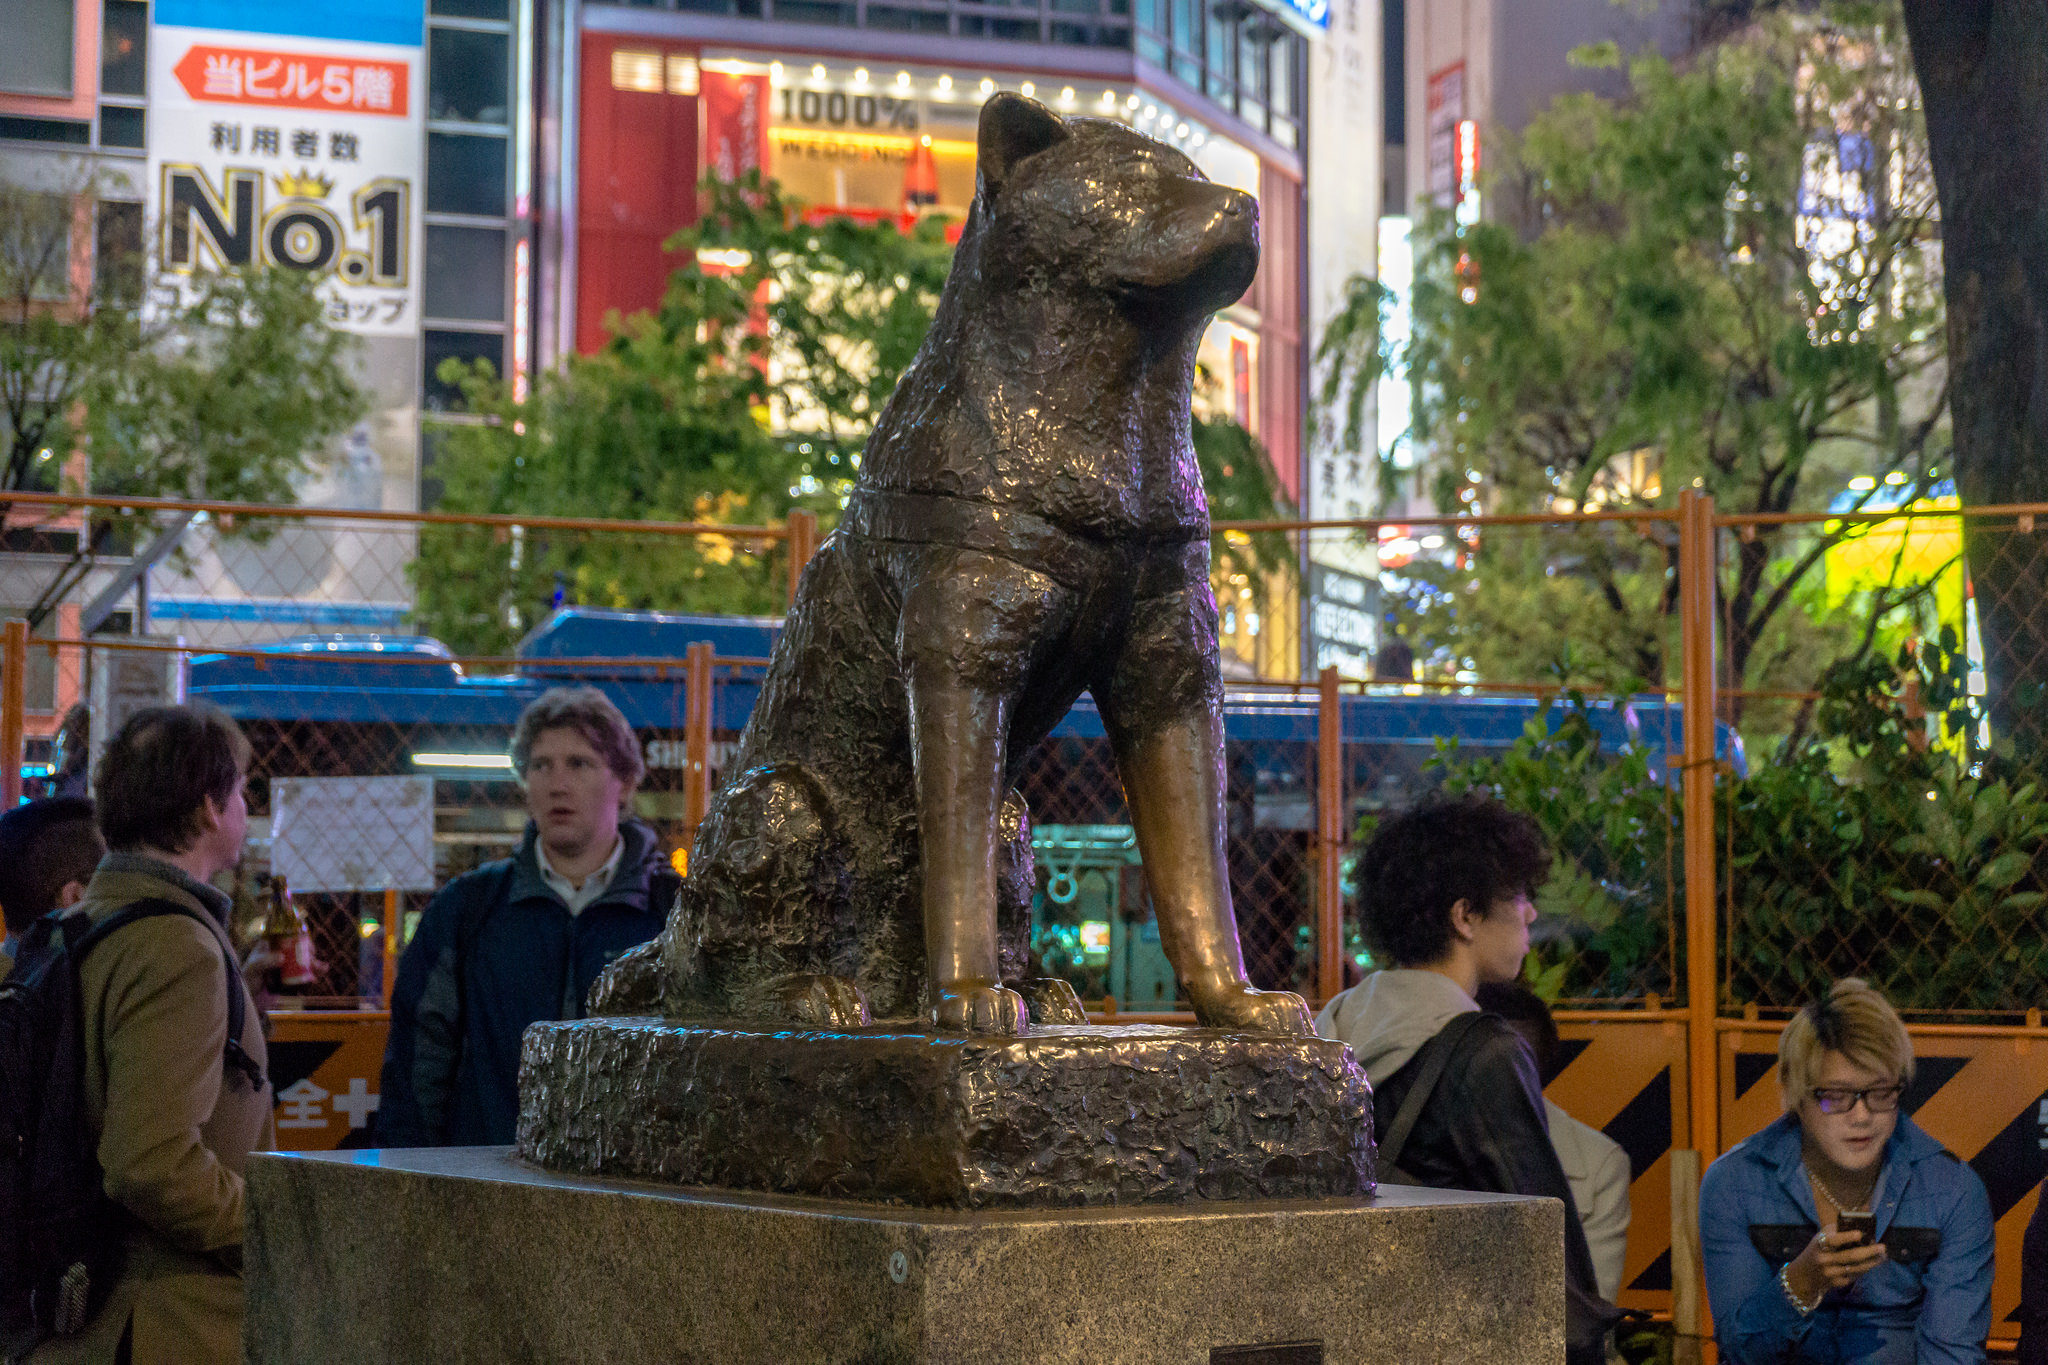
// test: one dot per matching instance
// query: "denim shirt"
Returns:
(1935, 1312)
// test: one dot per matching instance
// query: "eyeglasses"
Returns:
(1879, 1099)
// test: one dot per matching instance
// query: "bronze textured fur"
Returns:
(1029, 523)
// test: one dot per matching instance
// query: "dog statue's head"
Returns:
(1088, 204)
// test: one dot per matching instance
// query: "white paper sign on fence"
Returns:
(353, 833)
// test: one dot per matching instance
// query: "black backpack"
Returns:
(60, 1235)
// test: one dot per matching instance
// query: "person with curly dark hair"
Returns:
(1444, 893)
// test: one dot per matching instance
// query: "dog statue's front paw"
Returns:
(1051, 1000)
(1244, 1007)
(820, 1001)
(975, 1007)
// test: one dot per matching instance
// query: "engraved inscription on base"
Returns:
(1273, 1353)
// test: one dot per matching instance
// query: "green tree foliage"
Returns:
(231, 395)
(747, 393)
(1897, 846)
(1725, 281)
(224, 390)
(1238, 477)
(750, 391)
(1605, 914)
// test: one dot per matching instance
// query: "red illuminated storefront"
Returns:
(875, 138)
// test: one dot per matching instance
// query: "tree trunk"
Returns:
(1983, 69)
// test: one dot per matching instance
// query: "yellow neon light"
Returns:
(878, 141)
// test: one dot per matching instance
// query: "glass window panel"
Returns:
(906, 20)
(1187, 31)
(120, 126)
(468, 347)
(1091, 35)
(74, 131)
(813, 12)
(124, 48)
(469, 76)
(474, 9)
(466, 174)
(1222, 49)
(35, 59)
(1286, 64)
(117, 251)
(1251, 62)
(465, 274)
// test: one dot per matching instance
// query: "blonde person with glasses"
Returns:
(1842, 1233)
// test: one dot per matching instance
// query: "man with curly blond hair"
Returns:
(521, 940)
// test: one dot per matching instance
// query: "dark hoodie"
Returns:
(495, 951)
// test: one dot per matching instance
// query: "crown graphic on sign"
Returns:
(304, 185)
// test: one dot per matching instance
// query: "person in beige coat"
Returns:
(174, 1123)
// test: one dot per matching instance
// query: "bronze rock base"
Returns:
(1063, 1116)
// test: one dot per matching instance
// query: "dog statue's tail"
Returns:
(631, 984)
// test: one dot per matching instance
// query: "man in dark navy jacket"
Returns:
(521, 940)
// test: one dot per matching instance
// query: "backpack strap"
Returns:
(1435, 1057)
(233, 1054)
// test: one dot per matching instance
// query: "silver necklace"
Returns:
(1841, 1205)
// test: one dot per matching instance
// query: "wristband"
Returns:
(1785, 1283)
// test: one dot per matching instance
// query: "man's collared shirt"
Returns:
(573, 895)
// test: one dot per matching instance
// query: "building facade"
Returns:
(489, 180)
(865, 109)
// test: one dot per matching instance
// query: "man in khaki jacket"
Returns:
(174, 1123)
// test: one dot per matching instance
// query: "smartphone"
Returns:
(1865, 1223)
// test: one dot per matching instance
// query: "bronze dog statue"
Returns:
(1029, 522)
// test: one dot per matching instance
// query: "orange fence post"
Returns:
(803, 543)
(1329, 836)
(696, 741)
(13, 711)
(394, 933)
(1696, 611)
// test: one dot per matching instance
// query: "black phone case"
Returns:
(1780, 1243)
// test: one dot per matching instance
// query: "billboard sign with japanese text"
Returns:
(284, 138)
(1446, 110)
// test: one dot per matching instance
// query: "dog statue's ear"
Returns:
(1013, 128)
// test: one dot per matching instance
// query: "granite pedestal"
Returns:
(473, 1255)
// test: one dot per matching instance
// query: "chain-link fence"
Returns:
(364, 645)
(378, 645)
(1877, 737)
(1893, 827)
(1093, 921)
(1532, 659)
